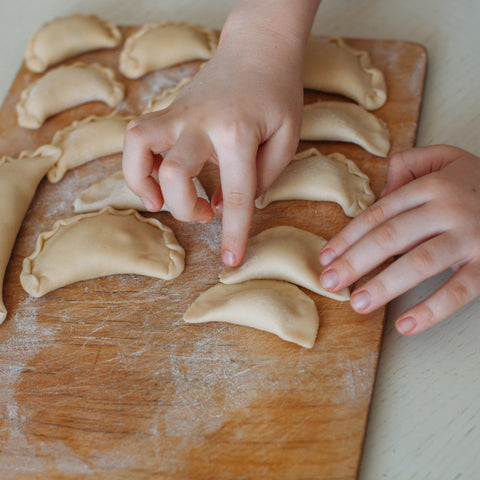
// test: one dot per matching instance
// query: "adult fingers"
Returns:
(460, 289)
(416, 162)
(424, 261)
(408, 197)
(183, 162)
(397, 235)
(145, 138)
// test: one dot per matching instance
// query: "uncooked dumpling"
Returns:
(164, 44)
(86, 140)
(276, 307)
(283, 253)
(345, 122)
(166, 97)
(19, 179)
(65, 87)
(114, 191)
(332, 66)
(67, 37)
(98, 244)
(313, 176)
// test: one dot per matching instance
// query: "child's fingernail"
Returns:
(327, 256)
(218, 207)
(228, 258)
(148, 204)
(406, 325)
(329, 279)
(360, 301)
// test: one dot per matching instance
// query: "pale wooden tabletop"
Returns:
(425, 416)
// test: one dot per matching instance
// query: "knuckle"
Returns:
(380, 291)
(458, 294)
(421, 260)
(235, 199)
(438, 185)
(385, 235)
(375, 215)
(426, 316)
(346, 270)
(233, 132)
(169, 172)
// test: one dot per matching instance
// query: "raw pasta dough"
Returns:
(273, 306)
(283, 253)
(345, 122)
(313, 176)
(86, 140)
(114, 191)
(67, 37)
(19, 178)
(164, 44)
(166, 97)
(332, 66)
(65, 87)
(98, 244)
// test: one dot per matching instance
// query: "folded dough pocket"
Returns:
(98, 244)
(113, 191)
(345, 122)
(19, 179)
(66, 87)
(66, 37)
(86, 140)
(334, 67)
(273, 306)
(313, 176)
(283, 253)
(164, 44)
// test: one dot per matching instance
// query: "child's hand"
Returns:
(430, 212)
(242, 111)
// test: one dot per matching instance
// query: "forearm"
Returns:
(269, 27)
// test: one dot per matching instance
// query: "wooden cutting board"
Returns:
(103, 379)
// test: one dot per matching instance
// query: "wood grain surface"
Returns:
(105, 380)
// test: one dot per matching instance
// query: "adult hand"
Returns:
(429, 211)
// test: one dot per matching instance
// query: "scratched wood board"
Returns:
(103, 379)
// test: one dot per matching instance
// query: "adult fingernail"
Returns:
(406, 325)
(228, 258)
(148, 204)
(360, 301)
(329, 279)
(327, 256)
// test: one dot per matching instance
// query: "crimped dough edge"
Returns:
(351, 166)
(27, 120)
(43, 150)
(176, 251)
(55, 173)
(378, 95)
(38, 65)
(164, 93)
(126, 53)
(62, 134)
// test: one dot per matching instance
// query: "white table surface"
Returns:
(425, 416)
